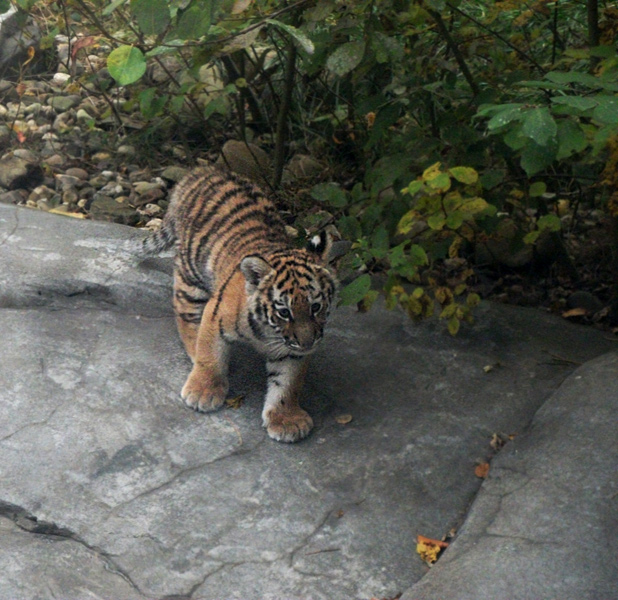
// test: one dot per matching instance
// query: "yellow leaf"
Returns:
(574, 312)
(431, 172)
(453, 325)
(236, 402)
(429, 549)
(58, 211)
(453, 251)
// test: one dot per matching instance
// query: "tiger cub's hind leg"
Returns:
(189, 302)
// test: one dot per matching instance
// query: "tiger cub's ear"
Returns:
(320, 244)
(326, 248)
(254, 268)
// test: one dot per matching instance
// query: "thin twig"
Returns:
(500, 37)
(445, 33)
(284, 110)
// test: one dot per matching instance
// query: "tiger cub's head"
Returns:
(289, 297)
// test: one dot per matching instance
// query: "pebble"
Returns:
(143, 187)
(77, 172)
(68, 181)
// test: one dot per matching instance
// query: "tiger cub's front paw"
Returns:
(288, 426)
(205, 394)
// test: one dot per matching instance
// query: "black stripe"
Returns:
(254, 327)
(288, 356)
(219, 226)
(220, 294)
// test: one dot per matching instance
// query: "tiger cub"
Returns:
(238, 277)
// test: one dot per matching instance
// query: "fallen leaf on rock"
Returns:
(343, 419)
(482, 470)
(67, 214)
(429, 549)
(236, 402)
(574, 312)
(498, 440)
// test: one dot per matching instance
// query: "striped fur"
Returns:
(237, 277)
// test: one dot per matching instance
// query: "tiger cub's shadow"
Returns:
(247, 377)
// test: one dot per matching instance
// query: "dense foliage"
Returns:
(445, 125)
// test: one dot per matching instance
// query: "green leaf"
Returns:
(407, 222)
(538, 188)
(413, 188)
(540, 126)
(296, 34)
(603, 51)
(505, 117)
(441, 182)
(355, 291)
(418, 256)
(465, 175)
(574, 77)
(150, 104)
(126, 64)
(579, 104)
(607, 110)
(453, 325)
(194, 22)
(346, 58)
(535, 158)
(515, 139)
(330, 193)
(152, 16)
(386, 48)
(490, 179)
(549, 223)
(473, 300)
(5, 5)
(112, 6)
(455, 220)
(397, 255)
(380, 242)
(531, 237)
(571, 138)
(488, 110)
(219, 105)
(349, 227)
(436, 222)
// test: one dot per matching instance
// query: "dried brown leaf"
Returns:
(482, 470)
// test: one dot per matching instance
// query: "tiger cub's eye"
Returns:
(315, 308)
(284, 313)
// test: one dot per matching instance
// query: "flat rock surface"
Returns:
(112, 488)
(545, 523)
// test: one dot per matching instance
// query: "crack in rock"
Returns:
(28, 522)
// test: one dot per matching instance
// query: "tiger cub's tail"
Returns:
(160, 240)
(154, 243)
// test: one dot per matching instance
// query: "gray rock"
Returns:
(245, 159)
(77, 172)
(303, 166)
(126, 150)
(143, 187)
(16, 173)
(585, 300)
(174, 173)
(160, 501)
(13, 197)
(62, 104)
(18, 33)
(544, 522)
(105, 208)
